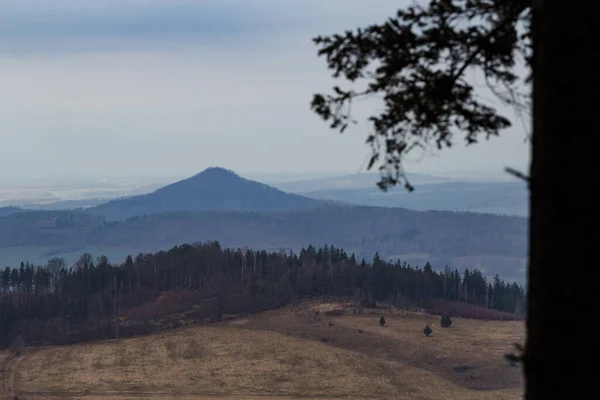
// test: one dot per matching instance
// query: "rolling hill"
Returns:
(214, 189)
(9, 210)
(386, 230)
(365, 180)
(494, 244)
(343, 356)
(431, 193)
(46, 228)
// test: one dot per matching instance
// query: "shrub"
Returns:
(446, 321)
(427, 331)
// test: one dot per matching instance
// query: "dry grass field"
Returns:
(281, 354)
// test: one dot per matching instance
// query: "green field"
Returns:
(12, 256)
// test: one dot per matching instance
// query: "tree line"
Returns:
(56, 303)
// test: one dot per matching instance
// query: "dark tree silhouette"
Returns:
(445, 321)
(427, 331)
(17, 346)
(418, 60)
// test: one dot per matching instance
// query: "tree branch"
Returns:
(517, 174)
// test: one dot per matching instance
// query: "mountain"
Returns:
(494, 244)
(214, 189)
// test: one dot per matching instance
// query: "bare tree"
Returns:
(54, 267)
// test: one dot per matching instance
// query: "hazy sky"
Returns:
(170, 87)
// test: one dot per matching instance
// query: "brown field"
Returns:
(281, 354)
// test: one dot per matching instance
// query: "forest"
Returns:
(96, 299)
(362, 230)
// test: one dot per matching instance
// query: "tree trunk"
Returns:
(119, 290)
(561, 237)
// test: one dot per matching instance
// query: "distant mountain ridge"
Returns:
(214, 189)
(218, 204)
(364, 180)
(496, 196)
(431, 193)
(493, 244)
(9, 210)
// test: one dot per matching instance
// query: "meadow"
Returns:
(281, 354)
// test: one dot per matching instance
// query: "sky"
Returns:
(107, 88)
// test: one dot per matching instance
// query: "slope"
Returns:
(214, 189)
(291, 356)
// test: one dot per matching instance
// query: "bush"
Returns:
(381, 321)
(446, 321)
